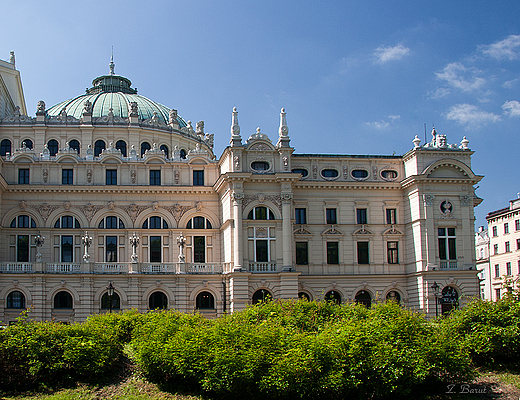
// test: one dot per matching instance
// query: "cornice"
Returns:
(418, 179)
(346, 185)
(202, 190)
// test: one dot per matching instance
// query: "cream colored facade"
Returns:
(140, 201)
(504, 249)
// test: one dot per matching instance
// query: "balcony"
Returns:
(159, 268)
(112, 268)
(16, 267)
(63, 268)
(448, 264)
(262, 267)
(203, 268)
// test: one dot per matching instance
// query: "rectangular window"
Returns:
(506, 228)
(262, 251)
(495, 231)
(391, 216)
(67, 176)
(198, 178)
(111, 177)
(518, 267)
(447, 244)
(507, 247)
(199, 249)
(67, 249)
(361, 216)
(393, 253)
(495, 249)
(497, 294)
(497, 271)
(331, 217)
(22, 248)
(517, 225)
(155, 177)
(155, 249)
(332, 253)
(362, 253)
(508, 269)
(111, 249)
(302, 253)
(301, 215)
(518, 244)
(23, 176)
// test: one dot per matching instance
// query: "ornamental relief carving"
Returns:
(45, 210)
(89, 210)
(465, 200)
(133, 210)
(276, 200)
(177, 211)
(428, 199)
(260, 147)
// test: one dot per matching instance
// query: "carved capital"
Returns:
(428, 199)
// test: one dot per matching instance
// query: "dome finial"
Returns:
(112, 65)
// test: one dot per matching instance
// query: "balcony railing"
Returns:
(203, 268)
(16, 267)
(61, 268)
(448, 264)
(262, 267)
(112, 268)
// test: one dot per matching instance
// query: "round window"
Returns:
(301, 171)
(329, 173)
(359, 174)
(260, 165)
(389, 174)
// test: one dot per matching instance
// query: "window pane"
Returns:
(362, 250)
(393, 253)
(300, 215)
(198, 223)
(67, 221)
(361, 214)
(99, 146)
(145, 146)
(199, 249)
(23, 176)
(155, 177)
(262, 251)
(155, 249)
(390, 216)
(155, 222)
(302, 253)
(67, 176)
(111, 222)
(198, 178)
(111, 248)
(261, 213)
(331, 216)
(111, 177)
(452, 248)
(23, 248)
(332, 253)
(66, 249)
(121, 145)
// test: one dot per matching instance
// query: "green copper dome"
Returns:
(113, 92)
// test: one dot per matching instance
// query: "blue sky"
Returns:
(355, 77)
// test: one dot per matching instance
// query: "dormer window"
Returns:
(359, 174)
(389, 174)
(329, 173)
(260, 166)
(301, 171)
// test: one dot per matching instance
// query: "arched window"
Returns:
(67, 222)
(145, 146)
(63, 300)
(166, 150)
(393, 295)
(23, 221)
(74, 144)
(158, 300)
(260, 213)
(53, 147)
(449, 300)
(363, 297)
(261, 296)
(99, 146)
(205, 301)
(111, 223)
(333, 296)
(304, 296)
(198, 223)
(155, 223)
(28, 143)
(15, 299)
(5, 147)
(105, 302)
(121, 146)
(183, 154)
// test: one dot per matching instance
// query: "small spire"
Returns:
(112, 65)
(236, 139)
(283, 131)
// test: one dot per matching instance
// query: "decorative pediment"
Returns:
(301, 230)
(393, 231)
(448, 168)
(332, 231)
(362, 231)
(22, 158)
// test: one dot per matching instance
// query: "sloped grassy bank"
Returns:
(275, 350)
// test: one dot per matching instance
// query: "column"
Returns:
(238, 249)
(286, 230)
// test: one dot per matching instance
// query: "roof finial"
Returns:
(236, 139)
(112, 65)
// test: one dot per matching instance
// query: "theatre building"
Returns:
(111, 189)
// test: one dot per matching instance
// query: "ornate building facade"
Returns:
(111, 189)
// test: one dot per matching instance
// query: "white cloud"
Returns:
(510, 84)
(471, 116)
(511, 108)
(382, 124)
(460, 77)
(385, 54)
(439, 93)
(508, 48)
